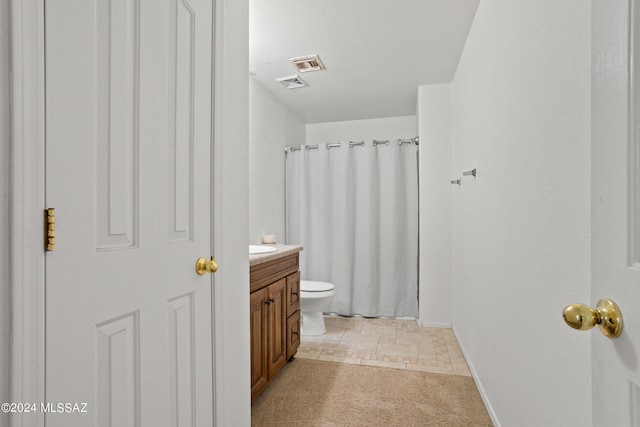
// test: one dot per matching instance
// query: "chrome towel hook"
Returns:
(457, 181)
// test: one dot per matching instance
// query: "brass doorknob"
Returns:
(204, 266)
(606, 315)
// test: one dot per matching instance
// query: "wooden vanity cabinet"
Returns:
(274, 318)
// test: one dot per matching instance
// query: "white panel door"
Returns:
(616, 210)
(128, 170)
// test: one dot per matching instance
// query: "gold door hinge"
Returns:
(49, 229)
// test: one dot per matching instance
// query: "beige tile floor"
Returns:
(391, 343)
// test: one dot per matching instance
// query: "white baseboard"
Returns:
(436, 325)
(483, 394)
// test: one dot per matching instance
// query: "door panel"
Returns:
(181, 179)
(293, 334)
(128, 140)
(277, 326)
(116, 116)
(118, 370)
(615, 190)
(293, 293)
(259, 346)
(182, 374)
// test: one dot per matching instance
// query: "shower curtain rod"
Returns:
(414, 140)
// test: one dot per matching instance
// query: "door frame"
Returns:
(27, 204)
(26, 199)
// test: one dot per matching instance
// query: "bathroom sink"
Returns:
(258, 249)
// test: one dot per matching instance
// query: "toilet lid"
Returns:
(311, 286)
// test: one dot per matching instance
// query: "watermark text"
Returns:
(45, 407)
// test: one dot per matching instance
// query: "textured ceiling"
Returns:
(377, 52)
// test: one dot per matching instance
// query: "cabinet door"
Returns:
(293, 293)
(277, 326)
(293, 334)
(258, 320)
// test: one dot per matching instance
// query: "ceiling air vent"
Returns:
(292, 82)
(304, 64)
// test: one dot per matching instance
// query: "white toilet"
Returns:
(315, 298)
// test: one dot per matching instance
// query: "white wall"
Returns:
(436, 233)
(5, 136)
(521, 247)
(271, 128)
(357, 130)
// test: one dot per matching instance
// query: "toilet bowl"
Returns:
(315, 298)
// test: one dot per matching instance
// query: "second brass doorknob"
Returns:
(606, 315)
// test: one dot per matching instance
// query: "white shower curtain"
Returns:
(355, 211)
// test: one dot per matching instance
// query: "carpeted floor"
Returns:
(314, 393)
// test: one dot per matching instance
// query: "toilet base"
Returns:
(313, 323)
